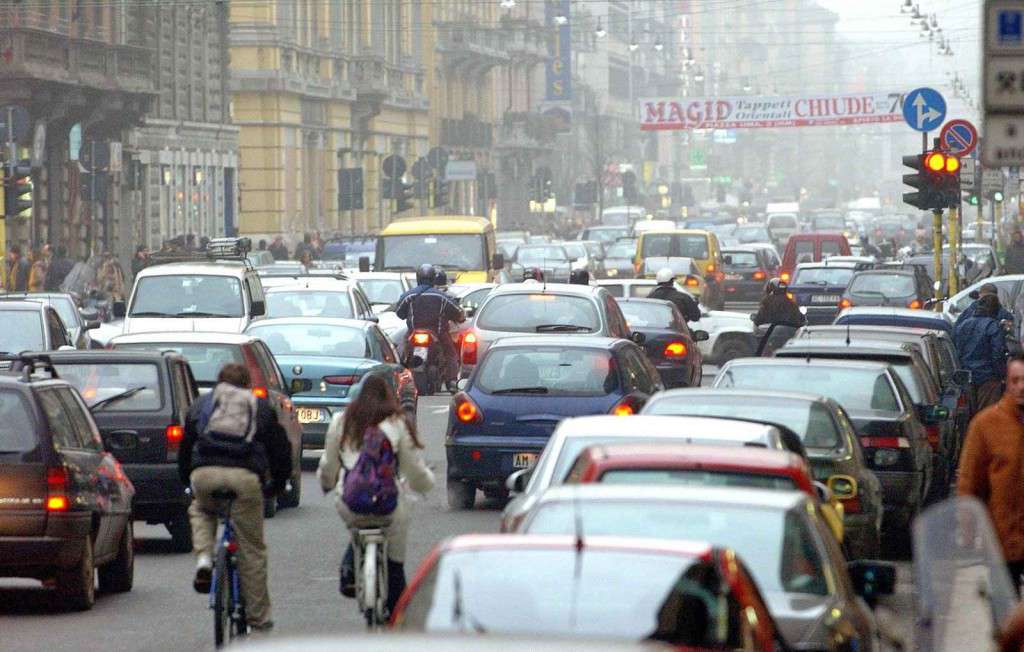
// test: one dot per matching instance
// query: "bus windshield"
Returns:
(452, 251)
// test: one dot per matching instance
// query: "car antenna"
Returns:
(577, 520)
(847, 332)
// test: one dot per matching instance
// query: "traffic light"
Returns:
(350, 189)
(997, 195)
(441, 190)
(937, 180)
(972, 199)
(18, 190)
(403, 193)
(629, 194)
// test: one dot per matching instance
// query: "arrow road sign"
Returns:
(924, 109)
(958, 137)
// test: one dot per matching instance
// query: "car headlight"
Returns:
(612, 271)
(886, 457)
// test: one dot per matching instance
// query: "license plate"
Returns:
(311, 415)
(734, 277)
(825, 298)
(523, 460)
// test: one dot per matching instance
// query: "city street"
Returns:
(163, 613)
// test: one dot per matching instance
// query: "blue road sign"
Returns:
(924, 109)
(958, 137)
(1011, 26)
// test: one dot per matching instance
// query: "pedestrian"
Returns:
(262, 246)
(981, 344)
(305, 246)
(1013, 262)
(37, 271)
(278, 249)
(190, 242)
(140, 259)
(232, 441)
(992, 466)
(17, 270)
(59, 269)
(666, 291)
(969, 311)
(110, 278)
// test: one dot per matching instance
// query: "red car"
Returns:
(689, 595)
(811, 248)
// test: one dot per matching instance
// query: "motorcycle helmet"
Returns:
(425, 274)
(579, 277)
(440, 278)
(664, 275)
(776, 286)
(533, 274)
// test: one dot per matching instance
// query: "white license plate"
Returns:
(421, 351)
(825, 298)
(734, 277)
(311, 415)
(523, 460)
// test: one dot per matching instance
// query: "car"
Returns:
(811, 248)
(607, 234)
(746, 234)
(983, 257)
(613, 588)
(730, 334)
(620, 216)
(886, 287)
(969, 272)
(583, 258)
(552, 259)
(819, 287)
(324, 361)
(669, 343)
(505, 412)
(462, 244)
(782, 226)
(1008, 288)
(827, 222)
(206, 354)
(65, 503)
(895, 442)
(888, 316)
(532, 307)
(31, 326)
(573, 435)
(77, 321)
(139, 401)
(746, 271)
(319, 297)
(382, 289)
(834, 451)
(782, 537)
(679, 250)
(618, 258)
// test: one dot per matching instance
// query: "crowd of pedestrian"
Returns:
(311, 248)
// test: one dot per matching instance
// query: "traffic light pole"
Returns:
(12, 155)
(954, 245)
(937, 249)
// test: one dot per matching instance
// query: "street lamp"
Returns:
(698, 76)
(600, 32)
(561, 19)
(658, 46)
(633, 45)
(507, 4)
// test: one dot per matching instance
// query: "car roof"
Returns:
(16, 304)
(199, 268)
(184, 337)
(466, 224)
(870, 331)
(670, 455)
(546, 288)
(825, 264)
(312, 284)
(888, 310)
(681, 427)
(750, 248)
(312, 321)
(697, 393)
(774, 499)
(888, 271)
(106, 355)
(29, 296)
(466, 542)
(575, 342)
(664, 303)
(815, 362)
(839, 344)
(388, 276)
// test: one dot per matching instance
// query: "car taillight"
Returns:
(624, 408)
(934, 435)
(174, 434)
(845, 303)
(469, 346)
(56, 489)
(675, 350)
(885, 442)
(421, 338)
(851, 505)
(710, 269)
(466, 411)
(914, 305)
(259, 392)
(691, 281)
(759, 275)
(791, 296)
(350, 379)
(784, 276)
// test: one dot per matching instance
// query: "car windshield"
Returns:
(777, 547)
(811, 420)
(541, 255)
(675, 245)
(885, 285)
(698, 478)
(741, 259)
(548, 370)
(746, 234)
(22, 331)
(532, 313)
(829, 223)
(187, 295)
(99, 382)
(453, 251)
(381, 290)
(17, 427)
(643, 314)
(206, 360)
(308, 303)
(605, 235)
(552, 591)
(575, 250)
(315, 340)
(856, 389)
(829, 276)
(781, 222)
(593, 248)
(621, 249)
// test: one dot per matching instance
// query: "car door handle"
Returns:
(123, 439)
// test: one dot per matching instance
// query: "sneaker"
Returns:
(204, 574)
(261, 629)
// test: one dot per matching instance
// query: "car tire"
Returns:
(119, 575)
(461, 495)
(269, 507)
(76, 586)
(181, 533)
(731, 348)
(293, 496)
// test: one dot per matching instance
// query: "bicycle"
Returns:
(370, 547)
(226, 585)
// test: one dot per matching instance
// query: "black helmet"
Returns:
(425, 274)
(776, 286)
(533, 273)
(440, 278)
(579, 277)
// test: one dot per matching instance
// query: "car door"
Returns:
(615, 320)
(277, 393)
(58, 333)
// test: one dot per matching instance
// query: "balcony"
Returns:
(469, 48)
(526, 41)
(468, 132)
(370, 78)
(525, 131)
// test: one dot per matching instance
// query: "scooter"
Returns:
(772, 337)
(424, 359)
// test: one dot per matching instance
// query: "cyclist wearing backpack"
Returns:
(371, 456)
(232, 441)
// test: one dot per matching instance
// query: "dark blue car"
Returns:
(503, 415)
(819, 287)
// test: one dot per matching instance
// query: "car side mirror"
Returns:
(119, 309)
(92, 324)
(872, 579)
(463, 384)
(962, 377)
(516, 483)
(259, 308)
(498, 261)
(931, 415)
(843, 487)
(701, 336)
(364, 263)
(638, 338)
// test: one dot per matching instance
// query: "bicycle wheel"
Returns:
(381, 605)
(239, 623)
(369, 579)
(221, 589)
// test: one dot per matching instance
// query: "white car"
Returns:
(730, 334)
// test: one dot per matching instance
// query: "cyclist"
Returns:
(375, 406)
(232, 440)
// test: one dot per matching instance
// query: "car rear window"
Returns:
(883, 285)
(781, 221)
(382, 290)
(741, 259)
(122, 387)
(621, 249)
(539, 313)
(804, 250)
(206, 360)
(675, 245)
(548, 371)
(309, 304)
(17, 427)
(830, 248)
(313, 340)
(697, 477)
(648, 315)
(852, 387)
(22, 331)
(832, 276)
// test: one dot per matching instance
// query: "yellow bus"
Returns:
(463, 246)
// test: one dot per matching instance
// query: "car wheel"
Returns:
(731, 348)
(118, 575)
(181, 533)
(461, 495)
(269, 507)
(293, 496)
(76, 586)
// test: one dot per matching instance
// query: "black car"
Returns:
(618, 258)
(65, 503)
(668, 342)
(31, 326)
(746, 272)
(899, 288)
(139, 401)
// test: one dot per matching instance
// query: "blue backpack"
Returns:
(370, 487)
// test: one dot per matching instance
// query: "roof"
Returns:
(97, 355)
(654, 302)
(888, 271)
(368, 276)
(839, 345)
(751, 247)
(575, 342)
(695, 456)
(28, 304)
(890, 311)
(312, 321)
(567, 542)
(312, 284)
(698, 392)
(184, 337)
(676, 232)
(29, 296)
(870, 331)
(405, 641)
(719, 496)
(197, 267)
(626, 281)
(816, 362)
(827, 264)
(546, 288)
(680, 427)
(436, 224)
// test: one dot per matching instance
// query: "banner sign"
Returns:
(559, 66)
(749, 112)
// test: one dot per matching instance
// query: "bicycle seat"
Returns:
(224, 494)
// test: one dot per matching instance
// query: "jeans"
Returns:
(396, 576)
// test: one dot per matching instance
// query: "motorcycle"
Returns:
(425, 359)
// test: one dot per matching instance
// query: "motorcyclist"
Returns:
(533, 274)
(665, 290)
(777, 308)
(426, 307)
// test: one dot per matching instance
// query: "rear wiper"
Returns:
(569, 328)
(151, 313)
(199, 313)
(521, 390)
(128, 393)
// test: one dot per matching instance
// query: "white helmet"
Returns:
(664, 275)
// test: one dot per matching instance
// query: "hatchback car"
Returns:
(139, 401)
(31, 326)
(886, 287)
(65, 503)
(833, 449)
(504, 414)
(669, 343)
(691, 595)
(747, 269)
(810, 588)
